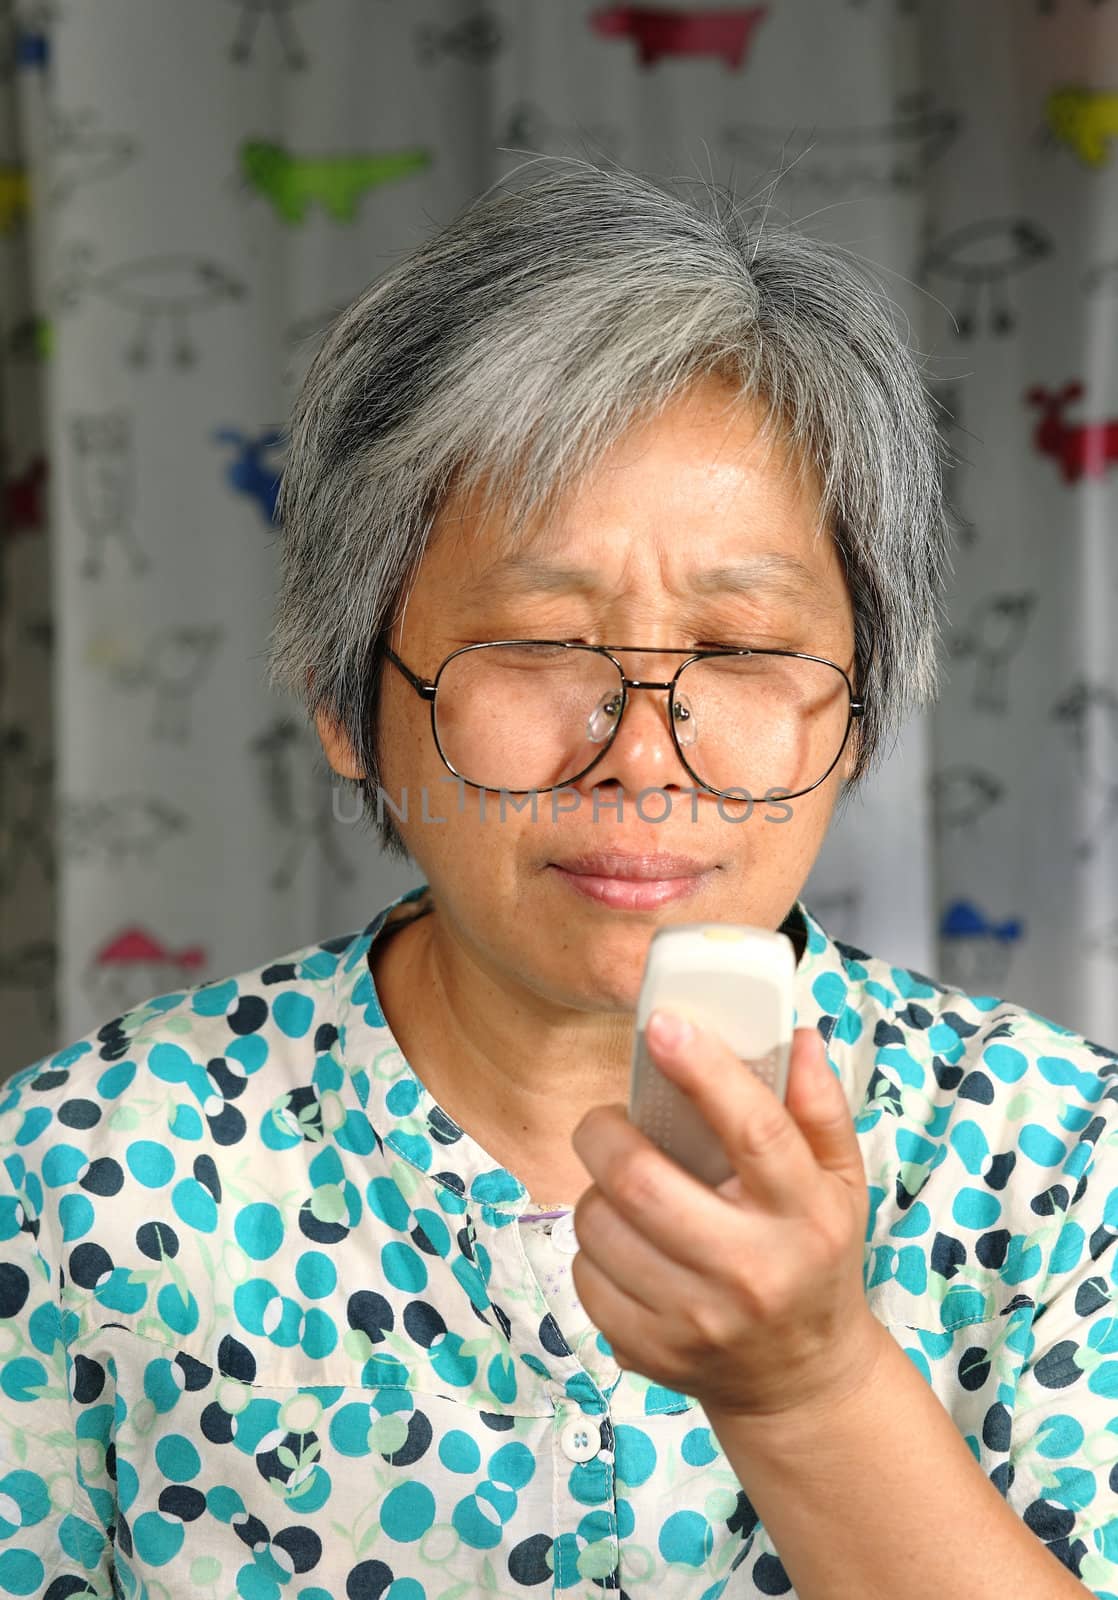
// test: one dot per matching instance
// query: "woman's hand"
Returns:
(749, 1296)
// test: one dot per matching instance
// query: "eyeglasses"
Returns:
(529, 715)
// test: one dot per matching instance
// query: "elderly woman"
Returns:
(613, 543)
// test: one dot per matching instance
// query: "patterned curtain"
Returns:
(190, 191)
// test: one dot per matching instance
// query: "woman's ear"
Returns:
(850, 754)
(337, 746)
(335, 741)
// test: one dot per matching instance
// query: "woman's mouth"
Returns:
(633, 882)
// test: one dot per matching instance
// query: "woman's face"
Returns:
(682, 494)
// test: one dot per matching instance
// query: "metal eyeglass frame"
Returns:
(428, 688)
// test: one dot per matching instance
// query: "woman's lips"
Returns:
(632, 894)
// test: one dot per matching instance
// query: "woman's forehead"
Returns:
(700, 464)
(566, 558)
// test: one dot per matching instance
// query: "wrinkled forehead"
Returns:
(546, 550)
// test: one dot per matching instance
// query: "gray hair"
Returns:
(515, 346)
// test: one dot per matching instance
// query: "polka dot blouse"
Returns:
(273, 1326)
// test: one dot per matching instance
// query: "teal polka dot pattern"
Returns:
(268, 1329)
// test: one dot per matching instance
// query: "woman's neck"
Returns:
(516, 1085)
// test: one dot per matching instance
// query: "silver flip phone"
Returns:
(737, 981)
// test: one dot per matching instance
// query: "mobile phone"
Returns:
(738, 981)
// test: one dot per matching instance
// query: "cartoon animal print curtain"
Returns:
(189, 191)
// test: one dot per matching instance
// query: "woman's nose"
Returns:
(642, 754)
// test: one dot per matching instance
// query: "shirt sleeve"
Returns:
(57, 1506)
(1061, 1474)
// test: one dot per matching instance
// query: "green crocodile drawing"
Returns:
(292, 182)
(1084, 119)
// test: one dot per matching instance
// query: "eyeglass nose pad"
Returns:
(603, 718)
(684, 720)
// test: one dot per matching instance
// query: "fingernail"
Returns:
(668, 1030)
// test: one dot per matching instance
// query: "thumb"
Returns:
(816, 1101)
